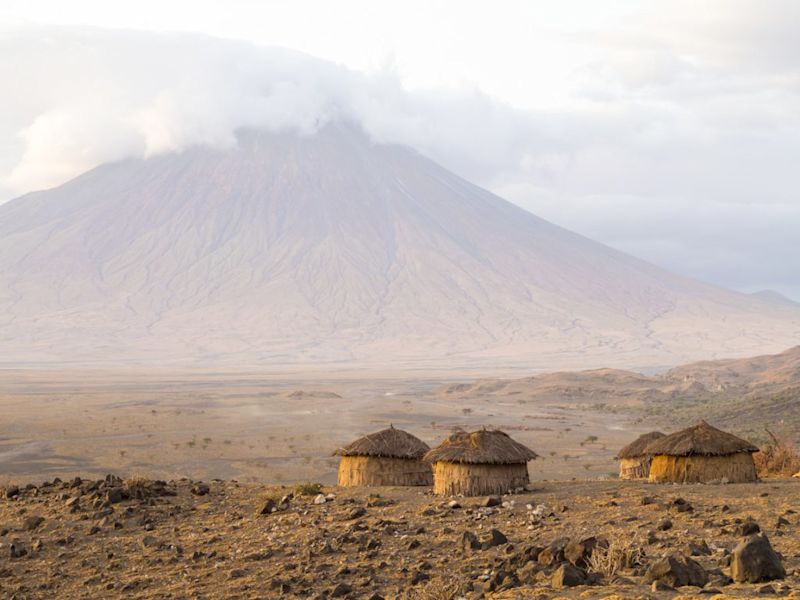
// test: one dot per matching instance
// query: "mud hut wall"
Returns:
(733, 468)
(378, 471)
(477, 480)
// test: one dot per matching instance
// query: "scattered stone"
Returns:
(754, 560)
(320, 499)
(664, 525)
(491, 501)
(453, 504)
(10, 492)
(268, 507)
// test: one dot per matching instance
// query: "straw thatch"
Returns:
(479, 463)
(390, 457)
(700, 440)
(701, 454)
(634, 461)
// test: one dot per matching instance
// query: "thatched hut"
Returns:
(702, 454)
(634, 461)
(388, 457)
(478, 463)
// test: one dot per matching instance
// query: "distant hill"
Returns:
(774, 297)
(747, 395)
(330, 250)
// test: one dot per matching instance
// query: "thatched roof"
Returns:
(481, 447)
(700, 440)
(636, 448)
(389, 443)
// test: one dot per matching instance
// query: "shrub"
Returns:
(780, 457)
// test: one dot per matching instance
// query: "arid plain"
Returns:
(270, 429)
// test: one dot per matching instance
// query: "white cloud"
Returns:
(677, 140)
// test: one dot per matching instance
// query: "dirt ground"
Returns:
(181, 540)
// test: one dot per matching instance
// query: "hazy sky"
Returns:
(670, 130)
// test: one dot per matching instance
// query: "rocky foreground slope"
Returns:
(184, 539)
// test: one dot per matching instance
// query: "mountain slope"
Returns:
(329, 249)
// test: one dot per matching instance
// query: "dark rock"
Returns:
(578, 552)
(200, 489)
(698, 549)
(567, 575)
(664, 525)
(114, 495)
(11, 491)
(419, 577)
(554, 553)
(766, 590)
(268, 507)
(469, 541)
(341, 589)
(496, 538)
(646, 500)
(676, 570)
(748, 528)
(32, 522)
(754, 560)
(660, 586)
(492, 501)
(357, 513)
(17, 550)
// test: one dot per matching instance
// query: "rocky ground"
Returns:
(591, 539)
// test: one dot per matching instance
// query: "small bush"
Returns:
(779, 458)
(308, 489)
(619, 554)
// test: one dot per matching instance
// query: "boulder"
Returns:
(676, 571)
(578, 552)
(567, 575)
(755, 560)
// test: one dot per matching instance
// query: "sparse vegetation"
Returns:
(779, 457)
(612, 556)
(308, 489)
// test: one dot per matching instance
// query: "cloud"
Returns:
(678, 142)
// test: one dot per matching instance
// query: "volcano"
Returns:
(330, 249)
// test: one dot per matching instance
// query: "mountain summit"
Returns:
(328, 248)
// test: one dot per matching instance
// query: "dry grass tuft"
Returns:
(307, 489)
(438, 589)
(779, 458)
(621, 553)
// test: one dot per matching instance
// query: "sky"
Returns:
(666, 129)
